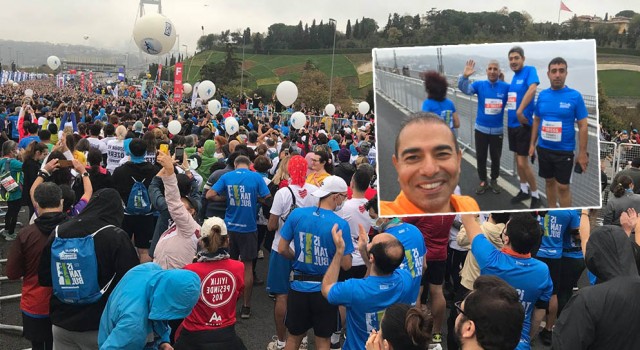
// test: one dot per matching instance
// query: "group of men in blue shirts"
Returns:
(548, 123)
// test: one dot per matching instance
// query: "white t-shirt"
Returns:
(97, 143)
(115, 153)
(282, 203)
(355, 214)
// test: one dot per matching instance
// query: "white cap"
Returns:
(321, 131)
(208, 224)
(330, 184)
(362, 128)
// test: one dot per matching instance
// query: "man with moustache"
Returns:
(428, 169)
(556, 112)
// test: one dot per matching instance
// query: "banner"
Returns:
(177, 83)
(194, 94)
(82, 81)
(90, 81)
(121, 74)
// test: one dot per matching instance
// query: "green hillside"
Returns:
(266, 71)
(620, 83)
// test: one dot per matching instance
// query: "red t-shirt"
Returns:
(368, 194)
(221, 284)
(435, 230)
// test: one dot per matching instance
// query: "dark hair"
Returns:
(425, 118)
(34, 147)
(94, 158)
(53, 128)
(516, 49)
(71, 142)
(32, 128)
(95, 129)
(83, 145)
(624, 182)
(523, 231)
(500, 218)
(361, 179)
(69, 197)
(388, 255)
(47, 195)
(61, 176)
(372, 203)
(495, 309)
(150, 140)
(184, 185)
(242, 160)
(44, 135)
(262, 164)
(109, 130)
(436, 85)
(138, 147)
(253, 136)
(558, 60)
(324, 158)
(406, 327)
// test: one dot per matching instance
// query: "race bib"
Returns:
(512, 97)
(492, 106)
(551, 131)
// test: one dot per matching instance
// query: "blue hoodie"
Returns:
(142, 303)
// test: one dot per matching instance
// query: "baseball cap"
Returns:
(208, 224)
(331, 184)
(362, 128)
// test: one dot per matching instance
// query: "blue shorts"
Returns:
(279, 271)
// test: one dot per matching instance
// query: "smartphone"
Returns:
(577, 168)
(65, 163)
(164, 148)
(179, 155)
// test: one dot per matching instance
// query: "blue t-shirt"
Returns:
(242, 187)
(15, 133)
(414, 252)
(27, 140)
(557, 225)
(558, 111)
(310, 231)
(444, 109)
(530, 278)
(569, 248)
(492, 98)
(518, 88)
(366, 301)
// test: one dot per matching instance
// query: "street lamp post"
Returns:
(186, 53)
(242, 68)
(333, 54)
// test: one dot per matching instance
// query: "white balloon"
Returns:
(186, 88)
(53, 62)
(28, 92)
(10, 82)
(206, 90)
(287, 93)
(214, 106)
(15, 84)
(330, 109)
(231, 125)
(363, 107)
(174, 127)
(298, 120)
(154, 34)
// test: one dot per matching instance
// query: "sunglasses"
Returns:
(458, 305)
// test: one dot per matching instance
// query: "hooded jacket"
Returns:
(470, 270)
(148, 296)
(607, 315)
(208, 158)
(115, 255)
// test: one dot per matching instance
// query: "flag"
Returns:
(564, 7)
(194, 94)
(177, 83)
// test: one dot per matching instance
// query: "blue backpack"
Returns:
(138, 202)
(74, 270)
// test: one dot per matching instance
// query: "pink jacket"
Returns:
(178, 244)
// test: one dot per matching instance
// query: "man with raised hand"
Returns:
(556, 112)
(489, 126)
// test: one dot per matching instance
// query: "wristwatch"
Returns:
(85, 174)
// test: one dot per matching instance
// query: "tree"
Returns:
(247, 36)
(223, 72)
(348, 30)
(608, 118)
(153, 70)
(626, 13)
(257, 42)
(313, 88)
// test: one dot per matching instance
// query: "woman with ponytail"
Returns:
(403, 328)
(623, 199)
(211, 324)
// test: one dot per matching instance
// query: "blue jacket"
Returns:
(142, 303)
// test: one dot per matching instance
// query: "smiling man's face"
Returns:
(428, 165)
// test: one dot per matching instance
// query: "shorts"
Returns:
(311, 310)
(354, 272)
(243, 245)
(435, 273)
(555, 165)
(279, 272)
(36, 329)
(520, 139)
(141, 228)
(554, 271)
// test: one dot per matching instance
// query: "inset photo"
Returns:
(487, 127)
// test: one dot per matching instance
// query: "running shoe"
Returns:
(245, 312)
(495, 188)
(482, 188)
(520, 197)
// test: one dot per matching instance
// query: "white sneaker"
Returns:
(260, 254)
(304, 345)
(9, 237)
(436, 346)
(273, 345)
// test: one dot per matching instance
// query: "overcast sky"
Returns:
(109, 23)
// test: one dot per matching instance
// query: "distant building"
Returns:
(621, 23)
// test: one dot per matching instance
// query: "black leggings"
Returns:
(485, 142)
(11, 218)
(570, 272)
(42, 345)
(455, 260)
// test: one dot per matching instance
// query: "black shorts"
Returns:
(435, 273)
(243, 245)
(520, 139)
(311, 310)
(556, 165)
(354, 272)
(36, 329)
(554, 271)
(141, 228)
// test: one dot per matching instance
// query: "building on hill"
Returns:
(621, 23)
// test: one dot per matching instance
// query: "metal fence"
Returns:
(408, 92)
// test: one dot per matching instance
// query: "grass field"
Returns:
(266, 71)
(620, 83)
